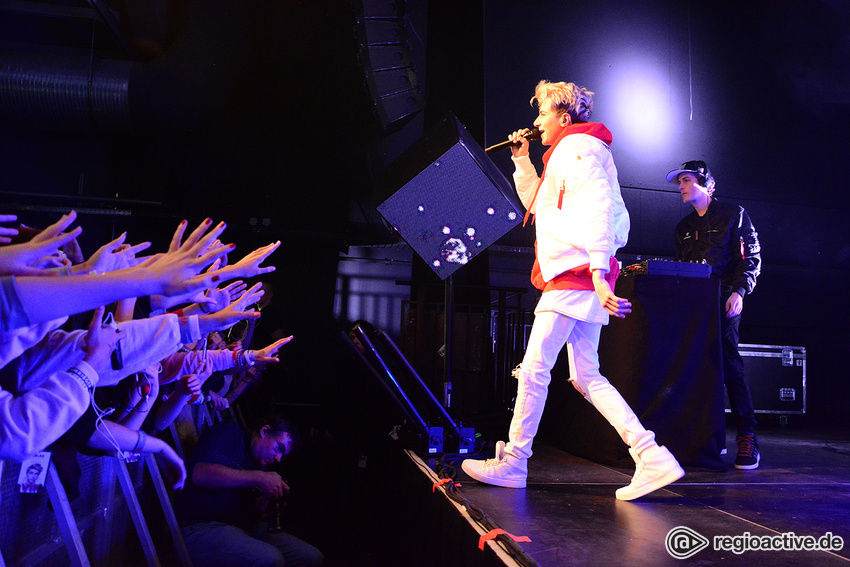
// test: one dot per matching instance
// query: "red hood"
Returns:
(595, 129)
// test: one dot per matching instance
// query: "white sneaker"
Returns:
(507, 471)
(656, 468)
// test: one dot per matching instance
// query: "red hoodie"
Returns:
(579, 277)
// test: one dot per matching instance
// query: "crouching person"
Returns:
(222, 509)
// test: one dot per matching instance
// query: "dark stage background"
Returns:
(759, 90)
(260, 113)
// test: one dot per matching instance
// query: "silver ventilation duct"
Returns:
(64, 90)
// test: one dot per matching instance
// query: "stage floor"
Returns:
(572, 517)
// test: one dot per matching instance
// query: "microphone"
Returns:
(534, 134)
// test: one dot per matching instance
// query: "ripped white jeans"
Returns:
(549, 333)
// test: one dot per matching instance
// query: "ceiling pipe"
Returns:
(83, 91)
(64, 90)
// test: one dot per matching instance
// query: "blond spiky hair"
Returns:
(565, 97)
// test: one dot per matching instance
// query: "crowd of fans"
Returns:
(50, 374)
(152, 338)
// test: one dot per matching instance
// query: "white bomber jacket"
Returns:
(580, 215)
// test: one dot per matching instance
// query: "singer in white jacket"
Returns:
(581, 221)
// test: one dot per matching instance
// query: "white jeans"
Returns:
(549, 333)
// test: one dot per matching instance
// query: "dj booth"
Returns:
(665, 359)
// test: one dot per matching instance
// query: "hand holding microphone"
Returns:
(518, 142)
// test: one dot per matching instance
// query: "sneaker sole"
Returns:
(494, 481)
(749, 467)
(668, 478)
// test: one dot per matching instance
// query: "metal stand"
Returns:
(135, 510)
(65, 518)
(380, 367)
(448, 336)
(170, 518)
(390, 382)
(138, 517)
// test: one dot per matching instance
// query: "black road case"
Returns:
(777, 377)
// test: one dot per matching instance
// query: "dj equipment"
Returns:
(658, 267)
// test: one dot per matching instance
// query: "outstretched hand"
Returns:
(269, 353)
(18, 259)
(113, 256)
(233, 313)
(616, 306)
(6, 233)
(249, 266)
(177, 273)
(50, 262)
(219, 298)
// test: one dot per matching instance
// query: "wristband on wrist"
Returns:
(190, 330)
(81, 376)
(140, 442)
(245, 358)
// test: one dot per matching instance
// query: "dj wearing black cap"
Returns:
(723, 235)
